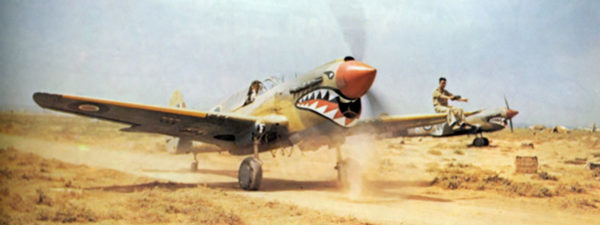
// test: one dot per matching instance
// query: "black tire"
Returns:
(478, 142)
(250, 174)
(486, 142)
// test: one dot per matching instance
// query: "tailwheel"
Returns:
(481, 141)
(348, 170)
(250, 174)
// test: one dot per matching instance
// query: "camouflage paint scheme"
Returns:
(318, 108)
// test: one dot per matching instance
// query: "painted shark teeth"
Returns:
(322, 94)
(326, 103)
(498, 120)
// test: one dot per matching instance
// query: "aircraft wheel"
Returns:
(250, 174)
(480, 142)
(348, 170)
(194, 166)
(486, 142)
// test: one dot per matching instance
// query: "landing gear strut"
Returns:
(194, 166)
(339, 164)
(250, 172)
(345, 169)
(481, 141)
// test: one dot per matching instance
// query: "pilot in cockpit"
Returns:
(253, 91)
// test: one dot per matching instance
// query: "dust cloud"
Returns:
(360, 152)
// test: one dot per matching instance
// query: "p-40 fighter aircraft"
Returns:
(481, 121)
(318, 108)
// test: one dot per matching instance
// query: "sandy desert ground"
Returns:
(67, 169)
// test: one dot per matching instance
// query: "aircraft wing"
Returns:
(400, 122)
(214, 128)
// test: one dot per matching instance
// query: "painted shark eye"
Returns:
(330, 74)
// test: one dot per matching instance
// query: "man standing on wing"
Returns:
(440, 104)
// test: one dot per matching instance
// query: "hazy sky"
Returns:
(543, 55)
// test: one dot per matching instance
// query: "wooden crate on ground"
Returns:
(526, 164)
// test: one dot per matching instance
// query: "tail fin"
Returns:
(177, 145)
(176, 100)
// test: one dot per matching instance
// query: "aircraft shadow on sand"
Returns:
(377, 191)
(269, 184)
(374, 196)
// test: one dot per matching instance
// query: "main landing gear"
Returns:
(250, 172)
(481, 141)
(346, 169)
(194, 166)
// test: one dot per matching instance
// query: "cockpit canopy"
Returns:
(240, 98)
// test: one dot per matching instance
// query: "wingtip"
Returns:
(37, 96)
(45, 99)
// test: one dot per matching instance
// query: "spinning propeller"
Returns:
(352, 22)
(510, 114)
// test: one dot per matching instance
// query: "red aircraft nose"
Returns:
(511, 113)
(354, 78)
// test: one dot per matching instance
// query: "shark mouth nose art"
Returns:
(332, 105)
(499, 120)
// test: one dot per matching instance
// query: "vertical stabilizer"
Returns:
(176, 100)
(176, 145)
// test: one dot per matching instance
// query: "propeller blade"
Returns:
(510, 114)
(351, 20)
(374, 105)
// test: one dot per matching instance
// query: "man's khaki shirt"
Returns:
(437, 97)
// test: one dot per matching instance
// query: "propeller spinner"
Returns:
(354, 78)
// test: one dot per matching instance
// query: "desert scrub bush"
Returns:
(466, 176)
(434, 152)
(158, 206)
(66, 213)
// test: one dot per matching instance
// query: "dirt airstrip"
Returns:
(66, 169)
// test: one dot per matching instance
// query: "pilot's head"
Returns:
(255, 86)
